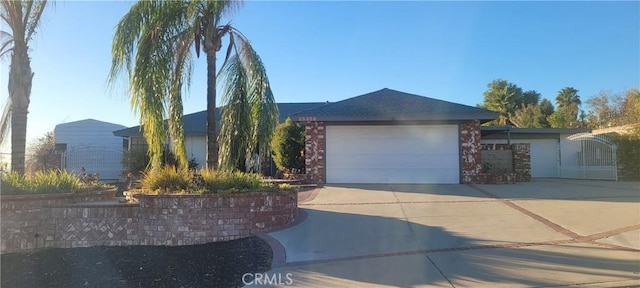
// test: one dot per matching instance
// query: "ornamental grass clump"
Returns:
(49, 182)
(172, 180)
(166, 179)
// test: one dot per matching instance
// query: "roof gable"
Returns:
(392, 105)
(88, 123)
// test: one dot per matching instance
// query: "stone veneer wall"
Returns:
(314, 151)
(470, 157)
(155, 220)
(26, 221)
(521, 166)
(522, 161)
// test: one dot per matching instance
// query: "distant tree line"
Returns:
(526, 109)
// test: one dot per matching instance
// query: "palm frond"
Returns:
(151, 46)
(260, 97)
(5, 120)
(235, 134)
(181, 77)
(6, 43)
(250, 113)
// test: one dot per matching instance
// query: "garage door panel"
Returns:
(392, 154)
(396, 160)
(363, 145)
(400, 176)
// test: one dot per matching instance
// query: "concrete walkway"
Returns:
(545, 233)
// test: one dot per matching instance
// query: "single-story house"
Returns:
(388, 136)
(90, 144)
(195, 129)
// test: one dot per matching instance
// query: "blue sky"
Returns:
(329, 51)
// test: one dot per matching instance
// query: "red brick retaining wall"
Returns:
(196, 219)
(156, 220)
(26, 221)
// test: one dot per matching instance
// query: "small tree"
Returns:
(40, 154)
(288, 147)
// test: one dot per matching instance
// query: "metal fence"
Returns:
(106, 161)
(588, 156)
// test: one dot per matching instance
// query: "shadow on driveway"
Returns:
(335, 248)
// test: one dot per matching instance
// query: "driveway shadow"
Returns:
(340, 248)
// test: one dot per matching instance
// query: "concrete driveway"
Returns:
(548, 232)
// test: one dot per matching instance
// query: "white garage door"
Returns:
(392, 154)
(544, 157)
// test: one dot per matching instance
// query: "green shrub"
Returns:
(288, 147)
(628, 155)
(167, 179)
(136, 160)
(171, 180)
(223, 181)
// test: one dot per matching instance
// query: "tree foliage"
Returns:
(23, 20)
(569, 102)
(41, 156)
(153, 47)
(561, 118)
(288, 147)
(515, 107)
(529, 116)
(502, 97)
(607, 110)
(628, 155)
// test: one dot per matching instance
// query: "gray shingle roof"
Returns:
(392, 105)
(195, 124)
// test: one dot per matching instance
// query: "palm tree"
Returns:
(502, 97)
(22, 18)
(152, 44)
(569, 100)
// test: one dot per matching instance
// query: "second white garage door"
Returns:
(392, 154)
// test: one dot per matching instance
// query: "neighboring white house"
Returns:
(90, 144)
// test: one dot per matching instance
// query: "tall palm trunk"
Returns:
(20, 79)
(212, 142)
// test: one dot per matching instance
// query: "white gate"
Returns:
(106, 161)
(588, 156)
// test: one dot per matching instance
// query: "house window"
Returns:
(137, 143)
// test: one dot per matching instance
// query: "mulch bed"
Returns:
(219, 264)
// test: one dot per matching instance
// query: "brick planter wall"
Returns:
(67, 221)
(86, 225)
(26, 221)
(196, 219)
